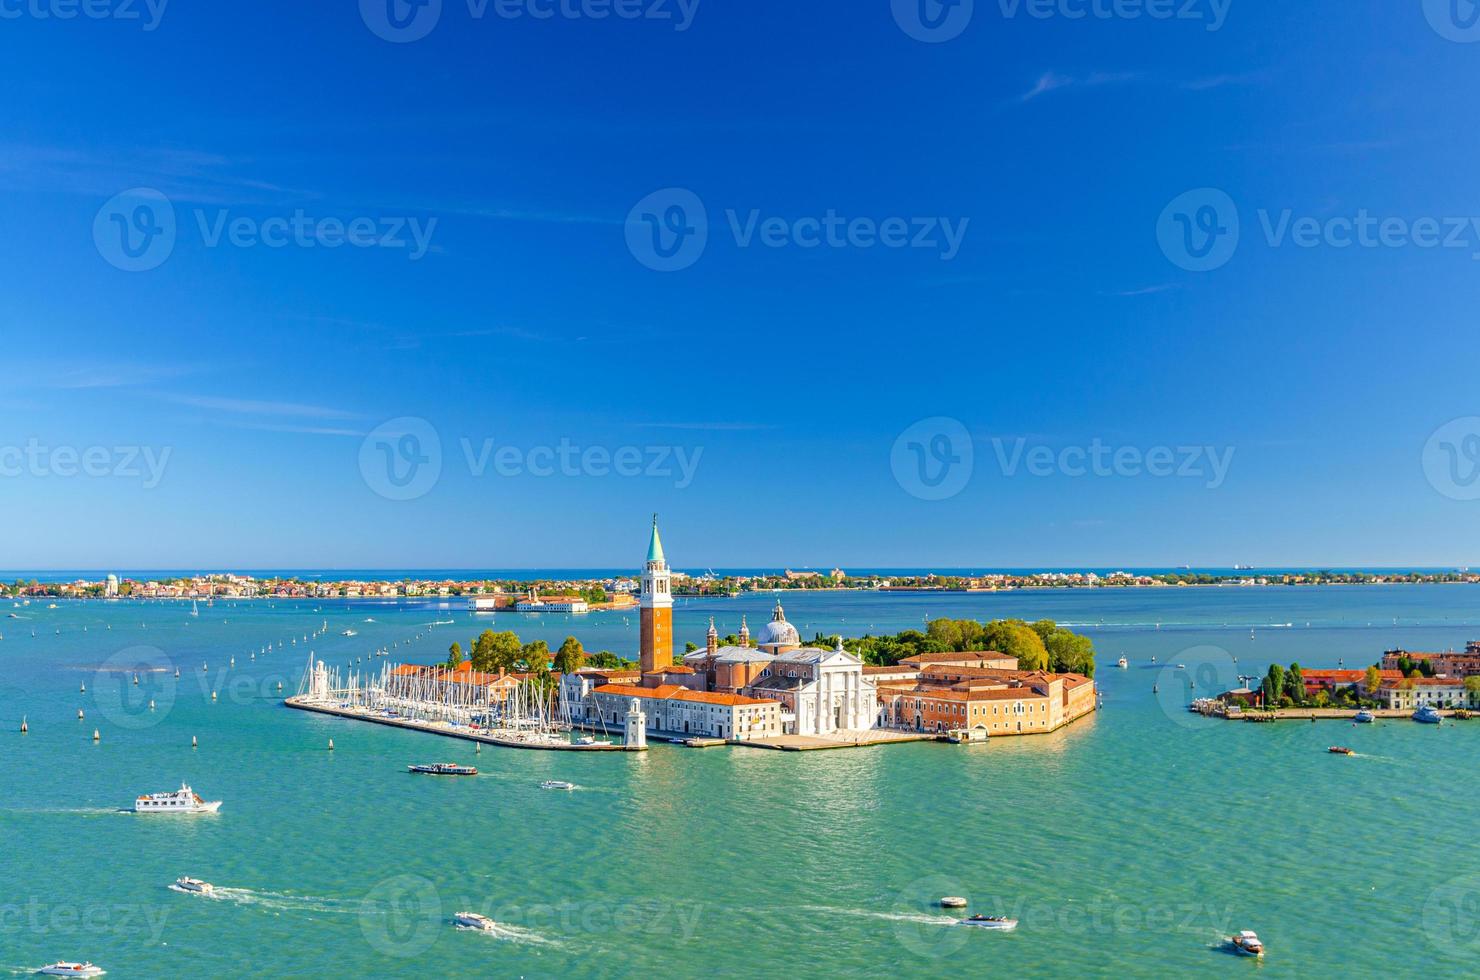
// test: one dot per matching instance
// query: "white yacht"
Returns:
(65, 969)
(472, 920)
(1123, 663)
(1246, 943)
(183, 800)
(346, 633)
(557, 784)
(194, 886)
(998, 922)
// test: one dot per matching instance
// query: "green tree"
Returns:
(496, 651)
(570, 657)
(535, 656)
(454, 656)
(1015, 638)
(1294, 688)
(1274, 685)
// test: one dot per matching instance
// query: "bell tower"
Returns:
(656, 608)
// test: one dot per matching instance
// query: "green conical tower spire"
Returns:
(655, 547)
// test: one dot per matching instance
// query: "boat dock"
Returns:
(464, 732)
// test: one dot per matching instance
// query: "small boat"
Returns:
(1427, 716)
(65, 969)
(343, 633)
(557, 784)
(193, 885)
(1364, 717)
(1000, 922)
(585, 740)
(183, 800)
(1181, 666)
(1340, 750)
(953, 902)
(1123, 663)
(472, 920)
(1246, 943)
(443, 769)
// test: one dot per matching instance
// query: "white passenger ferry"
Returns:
(184, 800)
(65, 969)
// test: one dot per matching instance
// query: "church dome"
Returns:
(778, 632)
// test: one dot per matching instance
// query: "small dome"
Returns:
(778, 632)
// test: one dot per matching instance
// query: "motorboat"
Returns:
(473, 920)
(194, 886)
(65, 969)
(998, 922)
(1122, 663)
(585, 740)
(953, 902)
(443, 769)
(183, 800)
(346, 633)
(1364, 717)
(557, 784)
(1427, 716)
(1340, 750)
(1246, 943)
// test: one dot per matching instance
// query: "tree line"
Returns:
(1043, 645)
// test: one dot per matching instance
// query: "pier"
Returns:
(508, 739)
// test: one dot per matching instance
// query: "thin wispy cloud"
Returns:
(246, 406)
(705, 426)
(1160, 287)
(117, 374)
(1053, 81)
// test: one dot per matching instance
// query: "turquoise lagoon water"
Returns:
(1127, 844)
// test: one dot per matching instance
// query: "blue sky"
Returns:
(260, 378)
